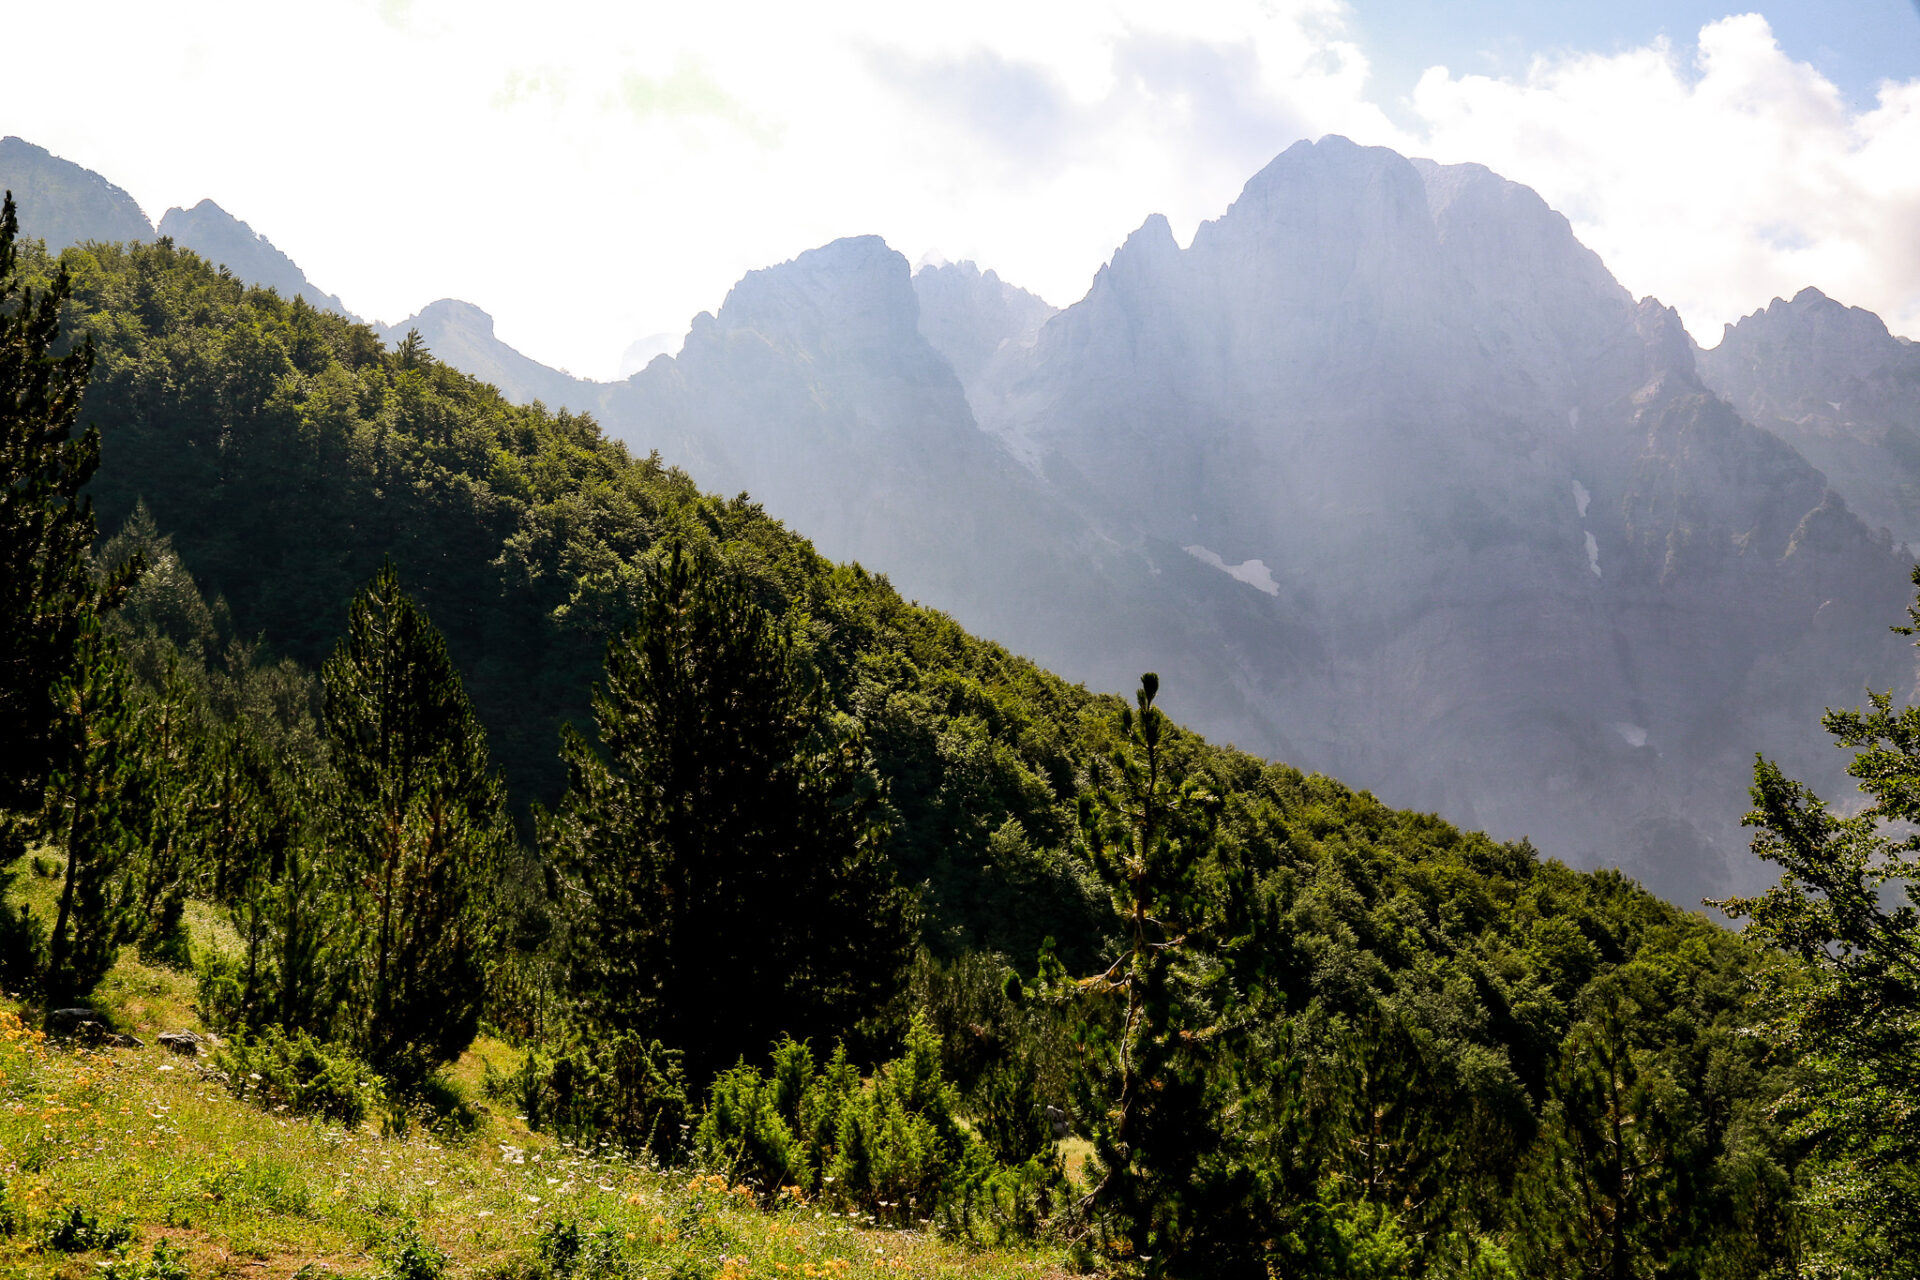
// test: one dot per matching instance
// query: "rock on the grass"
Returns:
(183, 1042)
(68, 1024)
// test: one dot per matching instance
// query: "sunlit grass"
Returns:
(153, 1139)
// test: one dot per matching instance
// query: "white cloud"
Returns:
(593, 172)
(1715, 182)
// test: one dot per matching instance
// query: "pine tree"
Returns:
(94, 802)
(1616, 1182)
(420, 827)
(1172, 1197)
(722, 862)
(48, 593)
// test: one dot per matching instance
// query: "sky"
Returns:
(596, 173)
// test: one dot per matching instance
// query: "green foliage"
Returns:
(892, 1147)
(166, 1262)
(722, 864)
(1844, 906)
(420, 828)
(565, 1251)
(748, 1135)
(291, 1071)
(50, 601)
(410, 1256)
(616, 1087)
(1163, 1203)
(77, 1229)
(94, 802)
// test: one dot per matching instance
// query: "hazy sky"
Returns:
(592, 173)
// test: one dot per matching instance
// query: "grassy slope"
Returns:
(147, 1137)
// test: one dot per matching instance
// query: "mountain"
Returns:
(973, 318)
(1831, 381)
(1557, 587)
(462, 335)
(1384, 471)
(224, 240)
(814, 389)
(64, 204)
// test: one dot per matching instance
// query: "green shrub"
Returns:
(894, 1147)
(280, 1070)
(745, 1135)
(624, 1089)
(220, 993)
(164, 942)
(434, 1103)
(77, 1230)
(167, 1263)
(565, 1252)
(409, 1257)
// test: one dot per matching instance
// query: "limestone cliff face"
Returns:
(975, 319)
(1832, 382)
(1554, 584)
(64, 204)
(814, 389)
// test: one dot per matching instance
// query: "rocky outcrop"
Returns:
(973, 318)
(1836, 385)
(814, 390)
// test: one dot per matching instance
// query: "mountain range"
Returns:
(1383, 472)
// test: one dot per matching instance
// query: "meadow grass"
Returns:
(154, 1141)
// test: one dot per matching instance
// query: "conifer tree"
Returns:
(48, 592)
(722, 861)
(1170, 1199)
(420, 829)
(94, 802)
(1616, 1183)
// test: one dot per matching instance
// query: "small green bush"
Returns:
(280, 1070)
(893, 1147)
(566, 1252)
(220, 993)
(78, 1230)
(744, 1135)
(623, 1088)
(409, 1257)
(168, 1262)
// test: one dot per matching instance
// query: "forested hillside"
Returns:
(749, 795)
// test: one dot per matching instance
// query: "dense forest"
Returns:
(466, 720)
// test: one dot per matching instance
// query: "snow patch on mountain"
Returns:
(1252, 572)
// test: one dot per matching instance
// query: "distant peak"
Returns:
(454, 311)
(1154, 238)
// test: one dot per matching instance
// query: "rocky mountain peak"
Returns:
(63, 203)
(851, 294)
(1830, 380)
(221, 238)
(970, 316)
